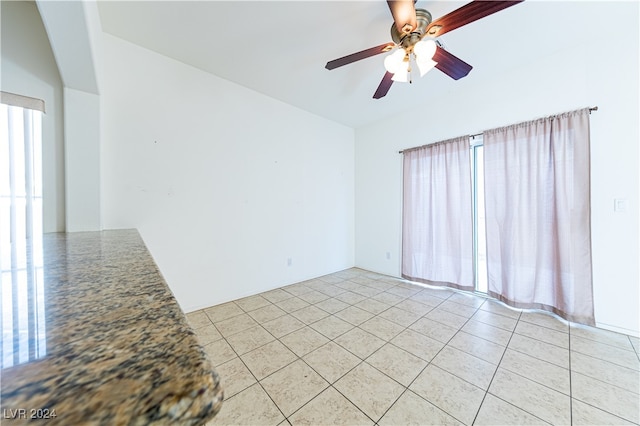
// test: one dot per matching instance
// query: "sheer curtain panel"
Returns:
(537, 182)
(437, 223)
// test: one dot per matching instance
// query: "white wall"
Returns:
(74, 31)
(224, 184)
(601, 71)
(29, 68)
(176, 138)
(82, 160)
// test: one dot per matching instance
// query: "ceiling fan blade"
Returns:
(466, 14)
(345, 60)
(451, 65)
(384, 86)
(404, 13)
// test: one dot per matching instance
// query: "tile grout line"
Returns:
(570, 380)
(331, 340)
(405, 328)
(297, 356)
(361, 361)
(535, 381)
(496, 371)
(406, 388)
(430, 362)
(254, 376)
(494, 375)
(634, 347)
(445, 345)
(439, 351)
(259, 382)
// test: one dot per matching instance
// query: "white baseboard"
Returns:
(634, 333)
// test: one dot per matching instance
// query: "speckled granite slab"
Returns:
(93, 335)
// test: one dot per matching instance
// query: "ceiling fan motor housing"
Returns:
(407, 41)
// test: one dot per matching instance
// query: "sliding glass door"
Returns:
(479, 228)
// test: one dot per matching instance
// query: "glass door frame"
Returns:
(477, 193)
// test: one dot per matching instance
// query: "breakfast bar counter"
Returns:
(91, 334)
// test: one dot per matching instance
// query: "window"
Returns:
(21, 221)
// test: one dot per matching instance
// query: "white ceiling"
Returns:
(279, 48)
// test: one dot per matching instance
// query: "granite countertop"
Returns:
(93, 335)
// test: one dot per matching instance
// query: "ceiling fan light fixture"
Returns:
(402, 73)
(424, 49)
(425, 65)
(401, 76)
(395, 61)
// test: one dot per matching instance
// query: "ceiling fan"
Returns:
(414, 34)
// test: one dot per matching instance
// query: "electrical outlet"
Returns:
(388, 255)
(289, 261)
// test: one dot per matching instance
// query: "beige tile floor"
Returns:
(359, 348)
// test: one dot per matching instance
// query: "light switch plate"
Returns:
(620, 205)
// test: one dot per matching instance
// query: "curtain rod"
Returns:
(593, 108)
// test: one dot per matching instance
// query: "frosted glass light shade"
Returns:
(394, 61)
(425, 65)
(402, 73)
(424, 49)
(400, 77)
